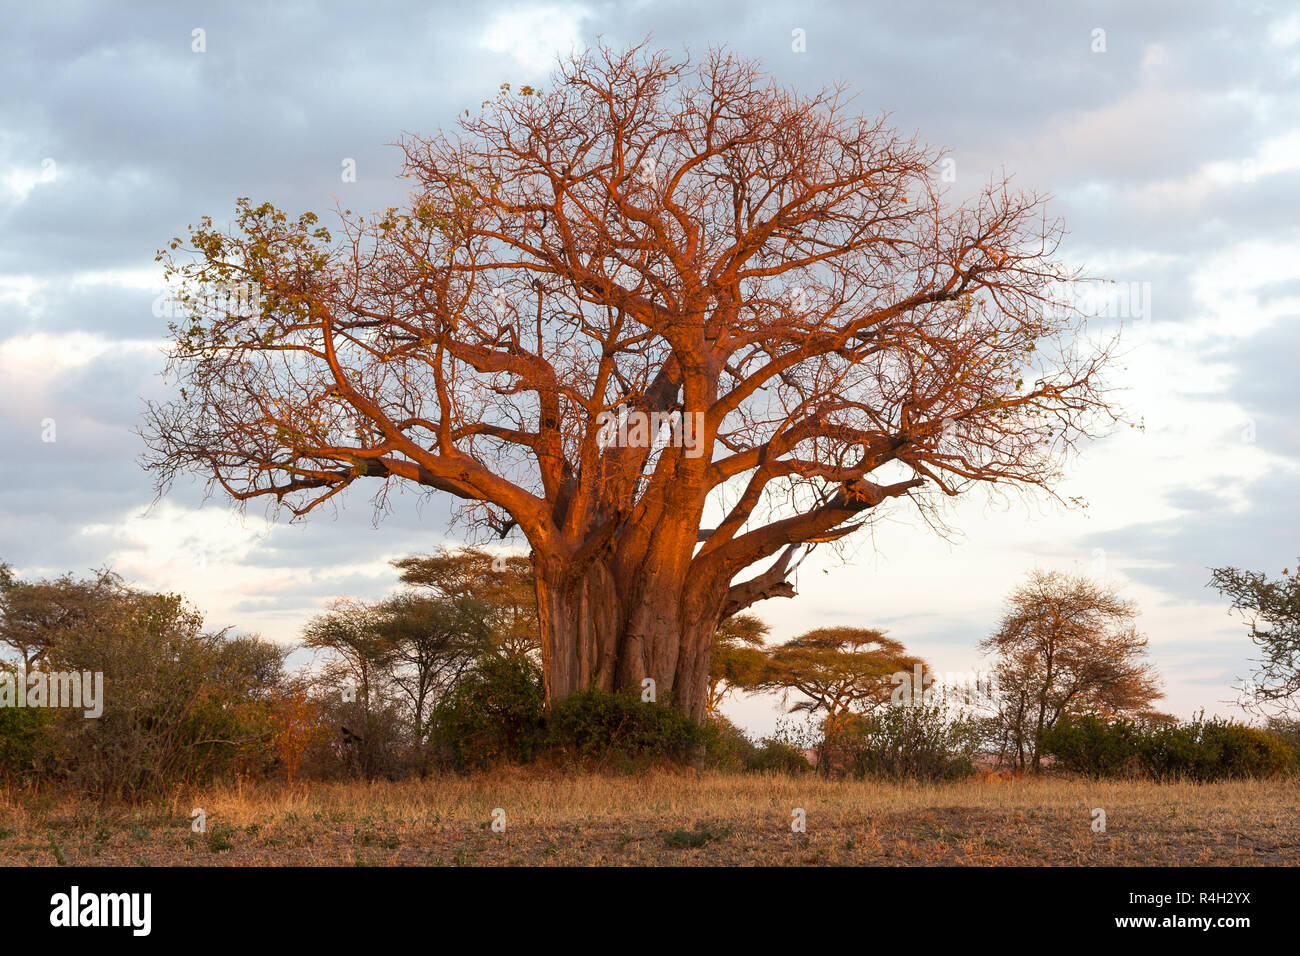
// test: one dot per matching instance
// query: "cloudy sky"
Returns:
(1169, 136)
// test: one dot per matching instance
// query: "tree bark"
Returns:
(599, 635)
(581, 621)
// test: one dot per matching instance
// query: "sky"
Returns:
(1168, 134)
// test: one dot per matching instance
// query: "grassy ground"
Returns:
(669, 818)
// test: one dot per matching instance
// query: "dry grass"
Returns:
(635, 820)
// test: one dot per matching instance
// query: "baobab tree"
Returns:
(673, 323)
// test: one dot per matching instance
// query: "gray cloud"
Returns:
(147, 136)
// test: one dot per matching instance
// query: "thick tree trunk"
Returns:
(599, 634)
(581, 621)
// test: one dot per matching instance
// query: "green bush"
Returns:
(181, 705)
(1213, 749)
(1200, 749)
(1287, 730)
(1240, 751)
(622, 731)
(495, 714)
(1170, 753)
(928, 741)
(1093, 746)
(777, 756)
(726, 747)
(21, 732)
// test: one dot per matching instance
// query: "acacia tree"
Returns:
(778, 276)
(1066, 645)
(499, 589)
(357, 677)
(1271, 607)
(838, 671)
(736, 659)
(402, 655)
(433, 643)
(35, 616)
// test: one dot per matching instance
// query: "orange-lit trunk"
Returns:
(597, 634)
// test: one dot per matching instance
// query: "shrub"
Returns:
(1172, 753)
(20, 737)
(1236, 750)
(621, 730)
(495, 714)
(297, 723)
(181, 705)
(726, 747)
(1093, 746)
(1199, 749)
(1287, 730)
(926, 741)
(1213, 750)
(777, 756)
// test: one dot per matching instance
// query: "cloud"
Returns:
(534, 36)
(1172, 157)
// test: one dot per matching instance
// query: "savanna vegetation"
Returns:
(442, 677)
(668, 817)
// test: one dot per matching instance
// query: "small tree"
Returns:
(1272, 610)
(404, 654)
(838, 671)
(432, 644)
(737, 659)
(500, 589)
(357, 683)
(35, 614)
(1065, 644)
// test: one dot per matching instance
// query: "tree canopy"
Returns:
(777, 282)
(1066, 645)
(1272, 610)
(837, 671)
